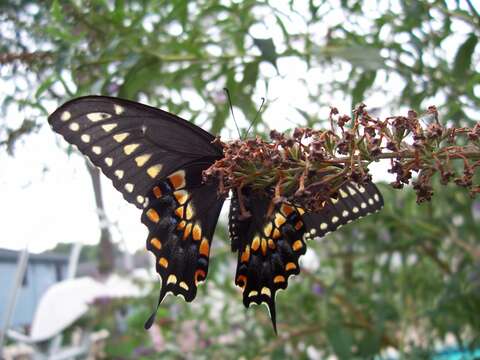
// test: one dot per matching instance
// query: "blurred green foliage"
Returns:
(407, 278)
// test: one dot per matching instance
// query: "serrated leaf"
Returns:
(267, 48)
(463, 58)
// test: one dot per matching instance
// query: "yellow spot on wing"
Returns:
(177, 179)
(271, 244)
(130, 148)
(323, 226)
(120, 137)
(66, 115)
(179, 212)
(351, 190)
(253, 293)
(184, 285)
(163, 262)
(181, 196)
(197, 232)
(98, 116)
(267, 230)
(189, 212)
(74, 126)
(187, 231)
(279, 278)
(300, 210)
(154, 170)
(343, 194)
(108, 161)
(119, 174)
(85, 138)
(142, 159)
(156, 243)
(172, 279)
(129, 187)
(266, 291)
(109, 127)
(279, 220)
(97, 150)
(152, 214)
(255, 243)
(204, 247)
(118, 109)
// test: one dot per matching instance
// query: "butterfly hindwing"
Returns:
(270, 238)
(135, 145)
(181, 215)
(269, 243)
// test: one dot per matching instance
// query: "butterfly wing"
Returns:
(271, 240)
(269, 243)
(134, 145)
(155, 159)
(181, 215)
(353, 202)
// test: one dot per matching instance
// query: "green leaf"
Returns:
(463, 58)
(364, 83)
(56, 11)
(267, 48)
(45, 85)
(141, 77)
(365, 57)
(340, 339)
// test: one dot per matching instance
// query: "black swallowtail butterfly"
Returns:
(156, 159)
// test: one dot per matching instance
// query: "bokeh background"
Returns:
(404, 283)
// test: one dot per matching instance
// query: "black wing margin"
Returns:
(134, 145)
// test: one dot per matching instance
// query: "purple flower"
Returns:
(318, 289)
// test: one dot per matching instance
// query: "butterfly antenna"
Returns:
(231, 110)
(256, 117)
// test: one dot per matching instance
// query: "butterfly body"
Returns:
(157, 160)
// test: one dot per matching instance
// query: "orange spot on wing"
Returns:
(279, 220)
(264, 246)
(297, 245)
(181, 225)
(246, 254)
(267, 230)
(163, 262)
(271, 244)
(187, 231)
(197, 232)
(290, 266)
(156, 243)
(177, 179)
(204, 247)
(189, 212)
(300, 210)
(157, 192)
(278, 279)
(199, 276)
(255, 243)
(153, 215)
(286, 209)
(298, 225)
(276, 234)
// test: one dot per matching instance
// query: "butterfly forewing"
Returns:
(354, 201)
(135, 145)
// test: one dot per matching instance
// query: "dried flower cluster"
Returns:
(308, 166)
